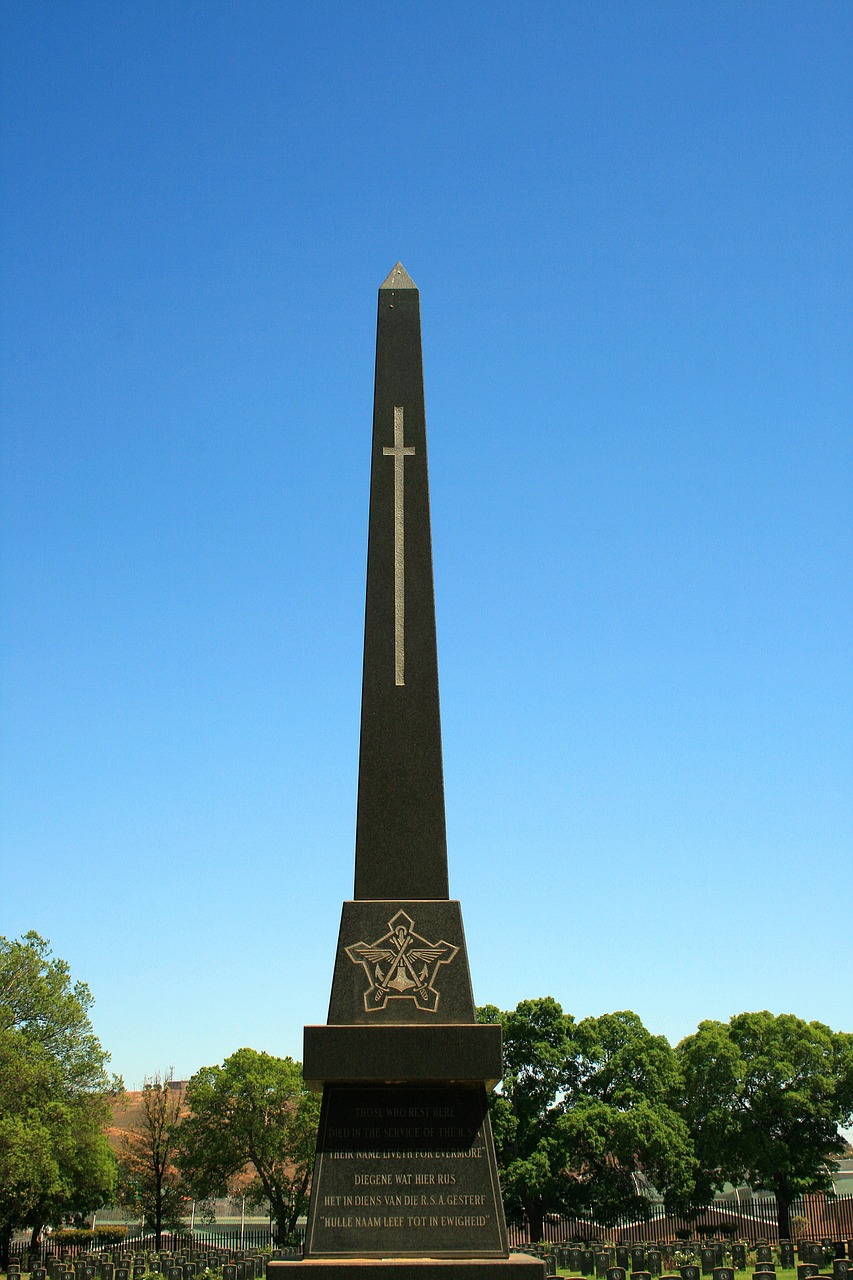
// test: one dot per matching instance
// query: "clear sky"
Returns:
(632, 228)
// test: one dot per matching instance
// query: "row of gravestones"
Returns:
(613, 1262)
(244, 1266)
(689, 1271)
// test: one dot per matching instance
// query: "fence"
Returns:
(749, 1218)
(226, 1239)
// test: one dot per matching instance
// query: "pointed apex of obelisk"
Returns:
(399, 278)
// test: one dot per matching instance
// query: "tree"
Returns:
(583, 1119)
(620, 1123)
(150, 1181)
(54, 1158)
(764, 1098)
(252, 1116)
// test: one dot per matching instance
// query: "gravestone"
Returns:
(707, 1260)
(739, 1256)
(689, 1271)
(615, 1273)
(638, 1258)
(623, 1256)
(840, 1268)
(723, 1273)
(405, 1167)
(602, 1263)
(587, 1262)
(786, 1254)
(763, 1253)
(654, 1261)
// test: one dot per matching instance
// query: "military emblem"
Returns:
(401, 965)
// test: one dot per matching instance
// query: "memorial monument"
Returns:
(405, 1178)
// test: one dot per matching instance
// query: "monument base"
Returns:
(518, 1266)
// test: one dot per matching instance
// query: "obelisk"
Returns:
(405, 1177)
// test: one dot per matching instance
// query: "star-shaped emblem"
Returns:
(401, 965)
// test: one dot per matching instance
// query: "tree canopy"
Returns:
(764, 1098)
(254, 1117)
(585, 1113)
(54, 1158)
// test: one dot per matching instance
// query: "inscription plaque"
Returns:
(407, 1171)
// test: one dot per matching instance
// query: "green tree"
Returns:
(253, 1115)
(539, 1066)
(149, 1178)
(619, 1121)
(584, 1117)
(764, 1098)
(54, 1158)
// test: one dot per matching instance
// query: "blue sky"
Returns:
(631, 226)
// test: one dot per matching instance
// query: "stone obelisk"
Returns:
(405, 1177)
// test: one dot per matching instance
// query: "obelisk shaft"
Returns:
(401, 846)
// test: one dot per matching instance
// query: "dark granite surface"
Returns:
(429, 1055)
(406, 1171)
(402, 961)
(401, 846)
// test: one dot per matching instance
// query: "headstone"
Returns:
(840, 1268)
(707, 1259)
(229, 1271)
(587, 1262)
(689, 1271)
(654, 1261)
(638, 1258)
(838, 1249)
(573, 1258)
(615, 1273)
(405, 1164)
(38, 1273)
(806, 1269)
(623, 1256)
(723, 1273)
(763, 1253)
(602, 1262)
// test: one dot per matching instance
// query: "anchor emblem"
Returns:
(401, 965)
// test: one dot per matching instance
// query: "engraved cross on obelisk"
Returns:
(398, 452)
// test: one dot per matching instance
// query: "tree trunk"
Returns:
(783, 1213)
(535, 1219)
(5, 1247)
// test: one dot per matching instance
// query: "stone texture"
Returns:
(446, 1054)
(401, 845)
(364, 943)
